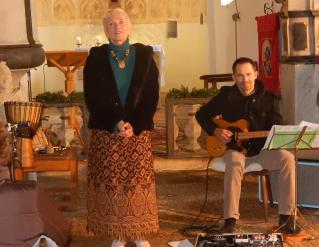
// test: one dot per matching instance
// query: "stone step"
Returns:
(162, 163)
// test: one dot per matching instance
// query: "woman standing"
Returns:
(121, 93)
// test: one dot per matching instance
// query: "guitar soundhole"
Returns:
(233, 144)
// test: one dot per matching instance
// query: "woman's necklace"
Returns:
(120, 62)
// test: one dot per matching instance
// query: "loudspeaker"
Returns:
(307, 182)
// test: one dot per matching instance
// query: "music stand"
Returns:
(294, 137)
(64, 61)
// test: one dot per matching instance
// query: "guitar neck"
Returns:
(252, 134)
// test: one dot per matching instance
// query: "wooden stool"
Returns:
(266, 192)
(59, 161)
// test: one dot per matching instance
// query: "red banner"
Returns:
(268, 45)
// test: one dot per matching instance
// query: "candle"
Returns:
(98, 39)
(78, 41)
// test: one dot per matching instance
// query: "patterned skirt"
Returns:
(121, 186)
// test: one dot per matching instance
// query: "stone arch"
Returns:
(64, 10)
(43, 8)
(184, 12)
(160, 9)
(136, 9)
(93, 10)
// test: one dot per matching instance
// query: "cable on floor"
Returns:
(192, 230)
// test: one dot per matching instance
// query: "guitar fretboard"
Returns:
(253, 134)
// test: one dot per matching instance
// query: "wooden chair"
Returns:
(253, 169)
(215, 78)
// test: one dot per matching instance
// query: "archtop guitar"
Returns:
(216, 148)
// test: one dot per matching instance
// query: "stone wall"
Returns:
(65, 124)
(11, 87)
(61, 12)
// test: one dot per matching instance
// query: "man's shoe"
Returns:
(142, 243)
(288, 224)
(228, 227)
(118, 243)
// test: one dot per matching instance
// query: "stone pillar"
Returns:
(12, 88)
(185, 120)
(19, 44)
(299, 79)
(64, 119)
(300, 92)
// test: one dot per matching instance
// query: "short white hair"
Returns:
(110, 13)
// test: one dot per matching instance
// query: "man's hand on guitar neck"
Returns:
(224, 135)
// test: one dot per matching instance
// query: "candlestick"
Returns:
(78, 41)
(98, 40)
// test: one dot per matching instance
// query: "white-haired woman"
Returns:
(121, 93)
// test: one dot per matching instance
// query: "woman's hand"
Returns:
(125, 129)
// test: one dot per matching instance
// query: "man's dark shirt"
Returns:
(261, 110)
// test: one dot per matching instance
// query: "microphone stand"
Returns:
(236, 18)
(12, 129)
(296, 176)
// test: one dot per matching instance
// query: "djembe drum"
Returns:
(26, 116)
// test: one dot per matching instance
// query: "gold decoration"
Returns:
(120, 62)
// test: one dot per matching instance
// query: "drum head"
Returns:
(24, 113)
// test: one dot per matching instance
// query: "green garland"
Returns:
(184, 92)
(78, 97)
(59, 97)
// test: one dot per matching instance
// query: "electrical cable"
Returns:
(191, 230)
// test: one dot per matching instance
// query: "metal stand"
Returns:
(294, 138)
(296, 149)
(236, 18)
(296, 177)
(12, 129)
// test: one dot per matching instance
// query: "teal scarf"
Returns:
(123, 76)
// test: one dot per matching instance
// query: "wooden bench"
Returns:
(215, 78)
(59, 161)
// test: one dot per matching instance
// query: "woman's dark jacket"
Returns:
(260, 109)
(101, 94)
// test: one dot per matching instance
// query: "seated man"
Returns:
(25, 210)
(249, 100)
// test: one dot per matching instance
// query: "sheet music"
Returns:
(285, 136)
